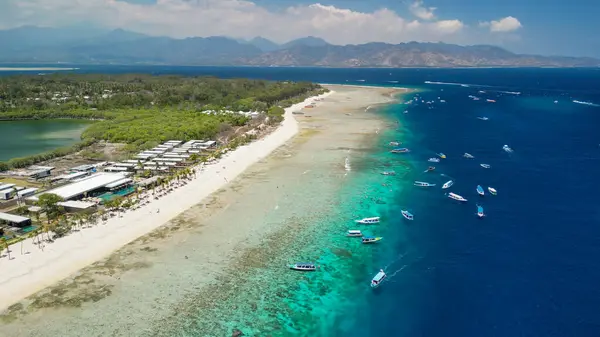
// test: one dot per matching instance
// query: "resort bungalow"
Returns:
(145, 156)
(84, 168)
(83, 187)
(38, 172)
(119, 184)
(15, 220)
(7, 193)
(176, 155)
(128, 166)
(116, 169)
(26, 192)
(7, 186)
(173, 143)
(73, 206)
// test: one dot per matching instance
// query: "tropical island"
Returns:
(149, 133)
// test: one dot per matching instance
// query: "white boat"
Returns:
(492, 191)
(368, 221)
(487, 166)
(468, 155)
(395, 143)
(303, 266)
(371, 239)
(423, 184)
(456, 197)
(507, 149)
(434, 160)
(376, 281)
(480, 190)
(490, 100)
(448, 184)
(354, 233)
(407, 215)
(388, 173)
(400, 150)
(483, 118)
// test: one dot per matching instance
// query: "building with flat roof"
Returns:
(15, 220)
(83, 168)
(83, 186)
(77, 206)
(26, 192)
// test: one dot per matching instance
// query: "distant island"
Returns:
(51, 45)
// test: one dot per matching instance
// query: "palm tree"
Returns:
(5, 244)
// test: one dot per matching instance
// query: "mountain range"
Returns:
(29, 44)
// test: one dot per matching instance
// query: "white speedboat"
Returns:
(456, 197)
(480, 190)
(395, 143)
(400, 150)
(423, 184)
(487, 166)
(354, 233)
(376, 281)
(388, 173)
(507, 149)
(368, 221)
(407, 215)
(492, 191)
(480, 211)
(468, 155)
(434, 160)
(448, 184)
(483, 118)
(303, 266)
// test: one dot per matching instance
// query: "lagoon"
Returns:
(29, 137)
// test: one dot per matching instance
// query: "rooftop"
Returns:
(12, 218)
(87, 184)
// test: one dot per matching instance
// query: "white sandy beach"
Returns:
(35, 270)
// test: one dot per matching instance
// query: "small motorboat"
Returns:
(487, 166)
(483, 118)
(441, 155)
(456, 197)
(423, 184)
(368, 221)
(430, 168)
(492, 191)
(400, 150)
(303, 266)
(395, 143)
(371, 239)
(388, 173)
(408, 215)
(434, 160)
(480, 211)
(354, 233)
(448, 184)
(376, 281)
(490, 100)
(468, 155)
(480, 190)
(507, 149)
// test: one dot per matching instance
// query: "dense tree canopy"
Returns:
(142, 110)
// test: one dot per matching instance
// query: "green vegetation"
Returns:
(143, 110)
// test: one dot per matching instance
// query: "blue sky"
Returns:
(541, 27)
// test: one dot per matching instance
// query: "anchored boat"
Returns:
(492, 191)
(441, 155)
(408, 215)
(468, 155)
(480, 190)
(376, 281)
(430, 168)
(423, 184)
(480, 211)
(368, 221)
(486, 166)
(456, 197)
(507, 149)
(388, 173)
(448, 184)
(354, 233)
(303, 266)
(483, 118)
(395, 143)
(434, 160)
(400, 150)
(371, 239)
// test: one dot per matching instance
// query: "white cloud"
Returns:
(236, 18)
(507, 24)
(422, 12)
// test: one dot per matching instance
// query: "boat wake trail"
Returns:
(389, 278)
(586, 103)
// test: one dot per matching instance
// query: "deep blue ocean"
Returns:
(531, 267)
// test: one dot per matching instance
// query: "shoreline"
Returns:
(32, 272)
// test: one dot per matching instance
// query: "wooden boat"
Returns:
(371, 239)
(480, 190)
(368, 221)
(354, 233)
(407, 215)
(303, 266)
(456, 197)
(423, 184)
(377, 279)
(430, 168)
(492, 191)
